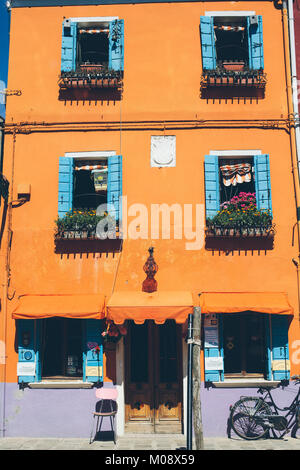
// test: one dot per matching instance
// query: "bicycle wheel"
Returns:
(295, 433)
(246, 418)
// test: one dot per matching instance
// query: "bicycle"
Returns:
(255, 417)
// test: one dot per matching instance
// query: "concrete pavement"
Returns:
(138, 442)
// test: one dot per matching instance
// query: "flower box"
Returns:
(240, 217)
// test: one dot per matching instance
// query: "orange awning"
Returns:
(69, 306)
(234, 302)
(157, 306)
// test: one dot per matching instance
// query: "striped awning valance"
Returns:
(236, 173)
(229, 28)
(93, 31)
(90, 167)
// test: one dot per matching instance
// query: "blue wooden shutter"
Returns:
(217, 351)
(114, 185)
(92, 359)
(65, 185)
(255, 44)
(116, 45)
(68, 47)
(29, 353)
(262, 182)
(208, 43)
(279, 343)
(212, 186)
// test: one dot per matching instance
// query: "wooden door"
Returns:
(153, 378)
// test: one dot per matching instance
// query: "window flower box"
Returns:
(240, 217)
(82, 225)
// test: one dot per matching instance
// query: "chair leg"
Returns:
(91, 440)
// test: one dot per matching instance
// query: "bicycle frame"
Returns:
(292, 409)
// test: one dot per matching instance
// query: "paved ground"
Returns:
(146, 442)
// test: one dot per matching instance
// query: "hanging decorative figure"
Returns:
(150, 268)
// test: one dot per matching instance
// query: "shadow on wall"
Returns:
(88, 95)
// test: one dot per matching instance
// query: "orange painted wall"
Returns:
(162, 79)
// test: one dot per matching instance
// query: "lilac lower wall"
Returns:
(68, 412)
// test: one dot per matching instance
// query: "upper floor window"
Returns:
(232, 50)
(85, 185)
(238, 195)
(92, 53)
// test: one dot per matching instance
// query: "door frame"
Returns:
(120, 385)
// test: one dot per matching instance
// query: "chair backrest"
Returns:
(106, 406)
(104, 393)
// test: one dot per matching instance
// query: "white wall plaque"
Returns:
(26, 368)
(214, 363)
(211, 337)
(163, 150)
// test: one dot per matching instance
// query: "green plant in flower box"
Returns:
(80, 220)
(241, 212)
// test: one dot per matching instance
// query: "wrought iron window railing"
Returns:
(91, 76)
(221, 77)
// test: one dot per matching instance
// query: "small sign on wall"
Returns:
(281, 364)
(26, 369)
(214, 363)
(94, 371)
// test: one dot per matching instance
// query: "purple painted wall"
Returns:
(68, 412)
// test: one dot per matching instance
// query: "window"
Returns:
(235, 177)
(246, 344)
(232, 39)
(60, 348)
(92, 50)
(90, 184)
(232, 51)
(84, 184)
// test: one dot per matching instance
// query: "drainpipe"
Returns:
(291, 102)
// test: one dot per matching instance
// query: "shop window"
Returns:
(246, 344)
(62, 348)
(59, 348)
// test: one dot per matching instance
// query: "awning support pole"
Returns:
(196, 386)
(189, 443)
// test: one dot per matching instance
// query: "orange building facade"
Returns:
(164, 115)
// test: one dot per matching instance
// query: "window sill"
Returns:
(60, 384)
(231, 78)
(245, 383)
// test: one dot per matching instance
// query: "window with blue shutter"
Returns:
(255, 43)
(263, 182)
(65, 185)
(213, 348)
(116, 45)
(29, 366)
(278, 347)
(232, 46)
(68, 46)
(93, 352)
(208, 46)
(88, 45)
(212, 185)
(114, 186)
(84, 185)
(226, 178)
